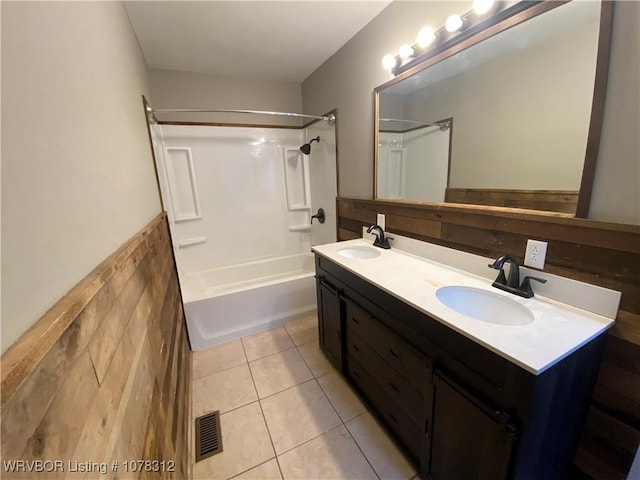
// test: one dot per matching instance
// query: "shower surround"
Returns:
(239, 201)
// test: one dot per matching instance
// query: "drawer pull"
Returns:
(393, 353)
(393, 387)
(355, 347)
(355, 320)
(395, 420)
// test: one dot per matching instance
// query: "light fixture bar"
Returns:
(458, 28)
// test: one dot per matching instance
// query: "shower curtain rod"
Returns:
(443, 125)
(328, 118)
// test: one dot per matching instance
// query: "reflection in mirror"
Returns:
(521, 105)
(413, 159)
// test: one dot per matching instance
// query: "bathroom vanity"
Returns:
(464, 398)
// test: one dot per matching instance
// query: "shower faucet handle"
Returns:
(320, 216)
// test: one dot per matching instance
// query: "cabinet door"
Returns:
(329, 322)
(469, 439)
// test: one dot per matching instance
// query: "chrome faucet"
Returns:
(512, 284)
(380, 241)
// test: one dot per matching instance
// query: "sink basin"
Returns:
(484, 305)
(359, 252)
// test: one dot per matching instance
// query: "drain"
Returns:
(208, 435)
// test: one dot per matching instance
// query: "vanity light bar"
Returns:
(456, 27)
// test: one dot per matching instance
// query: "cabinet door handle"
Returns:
(393, 353)
(355, 347)
(393, 387)
(355, 320)
(355, 374)
(395, 420)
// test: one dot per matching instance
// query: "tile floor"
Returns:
(287, 414)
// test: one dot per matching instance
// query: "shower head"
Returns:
(306, 148)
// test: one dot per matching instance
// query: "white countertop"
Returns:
(557, 330)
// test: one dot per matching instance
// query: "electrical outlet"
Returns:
(380, 220)
(535, 254)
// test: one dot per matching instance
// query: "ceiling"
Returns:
(270, 40)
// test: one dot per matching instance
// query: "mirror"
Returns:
(508, 120)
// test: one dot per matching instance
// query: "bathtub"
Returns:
(231, 302)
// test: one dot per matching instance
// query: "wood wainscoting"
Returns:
(599, 253)
(561, 201)
(105, 375)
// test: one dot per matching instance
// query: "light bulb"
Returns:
(405, 51)
(388, 62)
(482, 6)
(426, 37)
(453, 23)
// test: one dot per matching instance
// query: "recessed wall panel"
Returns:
(182, 183)
(296, 179)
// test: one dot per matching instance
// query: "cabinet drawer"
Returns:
(398, 422)
(412, 364)
(399, 389)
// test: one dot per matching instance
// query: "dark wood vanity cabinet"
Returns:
(471, 440)
(330, 321)
(457, 409)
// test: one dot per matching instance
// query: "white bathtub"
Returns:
(227, 303)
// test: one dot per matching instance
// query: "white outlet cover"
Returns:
(536, 253)
(380, 220)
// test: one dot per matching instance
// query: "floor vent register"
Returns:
(208, 435)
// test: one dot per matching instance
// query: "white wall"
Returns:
(174, 89)
(322, 173)
(616, 191)
(347, 79)
(77, 174)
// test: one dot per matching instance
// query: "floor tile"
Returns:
(303, 330)
(384, 456)
(245, 441)
(315, 359)
(218, 358)
(266, 343)
(333, 455)
(278, 372)
(267, 471)
(223, 391)
(343, 398)
(297, 415)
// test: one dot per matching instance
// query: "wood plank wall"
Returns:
(104, 375)
(562, 201)
(594, 252)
